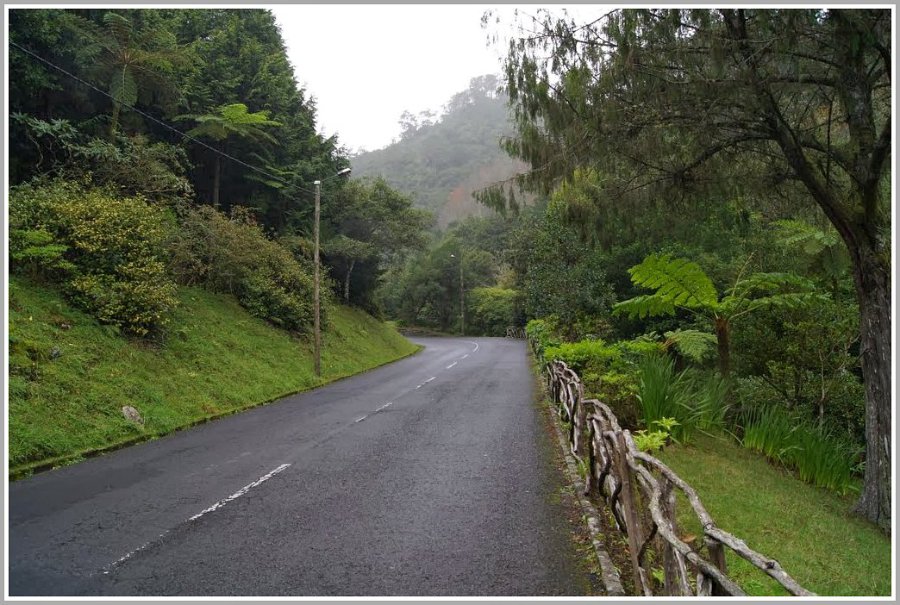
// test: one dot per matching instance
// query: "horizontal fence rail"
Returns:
(639, 491)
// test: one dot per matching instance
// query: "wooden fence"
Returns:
(639, 490)
(515, 332)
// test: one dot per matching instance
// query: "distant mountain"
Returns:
(441, 161)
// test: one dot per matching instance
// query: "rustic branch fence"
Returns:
(639, 490)
(515, 332)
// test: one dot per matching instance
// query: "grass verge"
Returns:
(809, 530)
(69, 376)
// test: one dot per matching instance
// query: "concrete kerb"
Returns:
(609, 575)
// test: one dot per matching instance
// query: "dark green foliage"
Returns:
(491, 310)
(232, 254)
(561, 275)
(784, 111)
(108, 250)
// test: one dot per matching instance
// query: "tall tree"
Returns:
(372, 223)
(687, 102)
(230, 120)
(135, 60)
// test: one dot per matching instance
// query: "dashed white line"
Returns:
(429, 380)
(388, 404)
(240, 492)
(360, 419)
(452, 364)
(218, 504)
(464, 356)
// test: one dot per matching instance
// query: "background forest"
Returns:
(708, 237)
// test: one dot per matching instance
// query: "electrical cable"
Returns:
(158, 121)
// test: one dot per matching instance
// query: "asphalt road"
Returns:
(430, 476)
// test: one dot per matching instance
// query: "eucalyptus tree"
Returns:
(697, 103)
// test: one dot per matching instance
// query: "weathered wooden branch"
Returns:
(615, 466)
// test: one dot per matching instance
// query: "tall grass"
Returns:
(816, 453)
(697, 401)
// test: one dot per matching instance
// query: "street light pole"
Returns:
(317, 328)
(462, 297)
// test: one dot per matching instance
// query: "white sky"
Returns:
(366, 64)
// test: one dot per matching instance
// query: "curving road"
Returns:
(429, 476)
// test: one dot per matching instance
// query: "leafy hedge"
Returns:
(107, 250)
(233, 255)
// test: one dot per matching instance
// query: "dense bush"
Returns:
(820, 457)
(492, 309)
(108, 249)
(696, 400)
(232, 254)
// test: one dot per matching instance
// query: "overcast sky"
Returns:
(366, 64)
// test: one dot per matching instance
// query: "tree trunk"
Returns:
(114, 121)
(216, 178)
(724, 346)
(347, 282)
(873, 292)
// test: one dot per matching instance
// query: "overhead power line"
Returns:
(154, 119)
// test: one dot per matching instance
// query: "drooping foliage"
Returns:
(784, 111)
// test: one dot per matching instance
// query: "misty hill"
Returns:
(441, 161)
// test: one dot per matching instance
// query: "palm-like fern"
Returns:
(682, 284)
(230, 120)
(133, 60)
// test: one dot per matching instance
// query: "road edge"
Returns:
(30, 468)
(609, 575)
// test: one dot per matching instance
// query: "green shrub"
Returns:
(816, 453)
(541, 332)
(492, 310)
(233, 255)
(585, 355)
(110, 249)
(695, 400)
(37, 253)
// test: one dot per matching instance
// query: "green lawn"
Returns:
(69, 376)
(807, 529)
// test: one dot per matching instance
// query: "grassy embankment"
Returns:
(807, 529)
(69, 376)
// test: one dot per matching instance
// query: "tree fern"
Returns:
(695, 345)
(678, 283)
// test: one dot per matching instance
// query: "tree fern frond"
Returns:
(643, 306)
(695, 345)
(681, 282)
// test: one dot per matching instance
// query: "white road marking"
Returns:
(388, 404)
(218, 504)
(452, 364)
(360, 419)
(464, 356)
(134, 552)
(473, 343)
(429, 380)
(240, 492)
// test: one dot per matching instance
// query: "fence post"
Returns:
(716, 557)
(629, 510)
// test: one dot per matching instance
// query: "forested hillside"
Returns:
(442, 160)
(157, 150)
